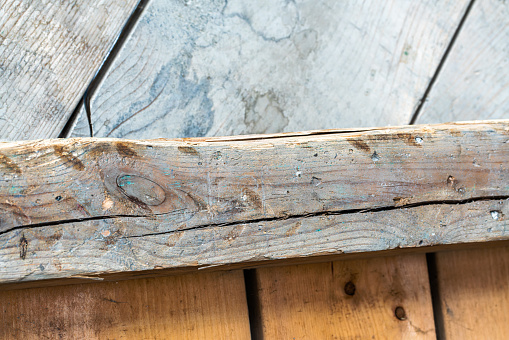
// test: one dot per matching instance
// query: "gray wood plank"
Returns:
(474, 81)
(49, 52)
(85, 206)
(208, 68)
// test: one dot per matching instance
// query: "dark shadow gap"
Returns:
(253, 304)
(101, 72)
(438, 314)
(441, 64)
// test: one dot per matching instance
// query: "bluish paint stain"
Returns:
(15, 190)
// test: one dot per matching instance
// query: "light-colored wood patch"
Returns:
(474, 81)
(49, 52)
(208, 68)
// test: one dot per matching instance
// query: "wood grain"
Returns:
(474, 293)
(473, 84)
(474, 81)
(386, 297)
(49, 52)
(178, 307)
(211, 68)
(101, 206)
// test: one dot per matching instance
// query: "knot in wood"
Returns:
(140, 190)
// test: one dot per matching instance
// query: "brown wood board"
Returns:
(474, 293)
(177, 307)
(90, 206)
(385, 297)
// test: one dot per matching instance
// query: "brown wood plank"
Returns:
(386, 297)
(123, 206)
(177, 307)
(49, 52)
(474, 293)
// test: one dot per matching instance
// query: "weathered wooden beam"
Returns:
(81, 207)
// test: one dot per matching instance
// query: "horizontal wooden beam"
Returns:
(91, 207)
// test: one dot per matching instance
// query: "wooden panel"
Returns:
(474, 293)
(142, 205)
(474, 84)
(378, 298)
(49, 52)
(474, 81)
(178, 307)
(204, 68)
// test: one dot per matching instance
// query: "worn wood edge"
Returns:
(143, 274)
(247, 245)
(218, 140)
(19, 240)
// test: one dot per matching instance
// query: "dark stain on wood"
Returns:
(9, 164)
(408, 139)
(98, 149)
(23, 247)
(451, 182)
(124, 149)
(15, 211)
(253, 198)
(188, 150)
(359, 144)
(68, 157)
(113, 237)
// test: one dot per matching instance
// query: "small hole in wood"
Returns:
(400, 313)
(58, 198)
(350, 288)
(421, 242)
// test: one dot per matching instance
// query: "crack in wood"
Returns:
(257, 220)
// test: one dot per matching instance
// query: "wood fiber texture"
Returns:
(474, 80)
(386, 297)
(49, 52)
(214, 68)
(177, 307)
(90, 206)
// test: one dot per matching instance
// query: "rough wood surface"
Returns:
(474, 293)
(474, 81)
(49, 52)
(207, 68)
(386, 297)
(178, 307)
(85, 206)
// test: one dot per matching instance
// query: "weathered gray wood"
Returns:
(49, 52)
(84, 206)
(474, 82)
(207, 68)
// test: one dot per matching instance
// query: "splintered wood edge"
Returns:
(121, 246)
